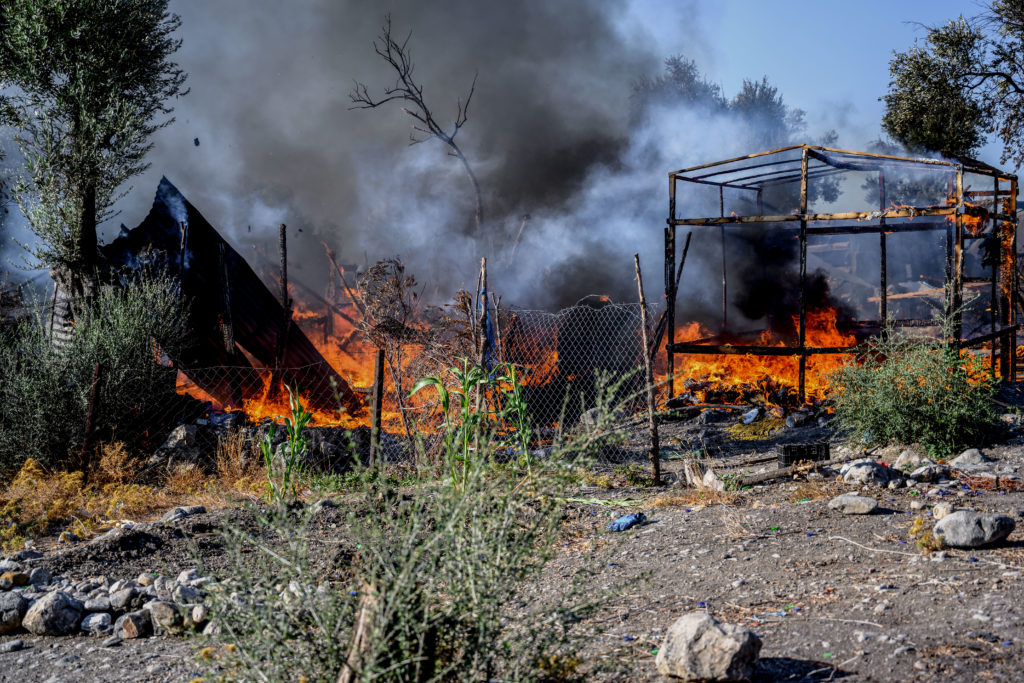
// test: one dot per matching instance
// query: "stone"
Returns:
(972, 456)
(134, 625)
(968, 529)
(16, 578)
(6, 585)
(851, 504)
(112, 641)
(25, 555)
(39, 576)
(11, 646)
(13, 606)
(54, 614)
(187, 594)
(942, 509)
(165, 615)
(67, 538)
(867, 473)
(697, 647)
(123, 599)
(200, 613)
(96, 624)
(179, 513)
(930, 473)
(9, 566)
(97, 604)
(146, 579)
(908, 459)
(188, 576)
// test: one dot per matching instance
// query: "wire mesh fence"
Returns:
(572, 365)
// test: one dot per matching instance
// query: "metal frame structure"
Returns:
(755, 173)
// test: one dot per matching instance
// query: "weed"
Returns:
(633, 474)
(925, 540)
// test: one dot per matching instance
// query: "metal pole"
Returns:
(883, 284)
(996, 255)
(958, 258)
(1011, 309)
(670, 287)
(725, 284)
(802, 331)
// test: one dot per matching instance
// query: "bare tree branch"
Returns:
(406, 89)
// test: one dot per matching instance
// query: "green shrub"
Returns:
(911, 390)
(438, 580)
(45, 390)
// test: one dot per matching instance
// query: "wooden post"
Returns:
(652, 423)
(958, 259)
(883, 276)
(378, 404)
(90, 418)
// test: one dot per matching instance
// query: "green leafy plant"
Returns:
(909, 389)
(282, 471)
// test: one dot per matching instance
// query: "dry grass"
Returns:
(812, 490)
(694, 498)
(239, 466)
(761, 429)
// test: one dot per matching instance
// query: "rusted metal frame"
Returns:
(958, 258)
(732, 350)
(872, 229)
(725, 283)
(843, 216)
(1011, 309)
(670, 286)
(883, 278)
(802, 327)
(735, 159)
(997, 256)
(766, 164)
(820, 172)
(715, 183)
(787, 173)
(873, 155)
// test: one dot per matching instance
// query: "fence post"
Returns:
(378, 404)
(89, 422)
(652, 423)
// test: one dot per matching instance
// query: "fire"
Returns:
(705, 376)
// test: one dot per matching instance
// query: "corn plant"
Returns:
(281, 477)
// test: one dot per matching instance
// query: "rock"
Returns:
(134, 625)
(25, 555)
(908, 459)
(16, 578)
(98, 604)
(112, 641)
(188, 576)
(9, 566)
(11, 646)
(968, 529)
(187, 594)
(751, 416)
(66, 538)
(54, 614)
(930, 473)
(942, 509)
(39, 577)
(200, 613)
(851, 504)
(12, 610)
(323, 504)
(146, 579)
(6, 585)
(972, 456)
(96, 624)
(123, 599)
(180, 513)
(866, 473)
(699, 648)
(165, 615)
(797, 420)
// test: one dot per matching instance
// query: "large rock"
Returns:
(909, 459)
(96, 624)
(866, 473)
(852, 504)
(968, 529)
(54, 614)
(930, 473)
(972, 456)
(12, 610)
(136, 624)
(699, 648)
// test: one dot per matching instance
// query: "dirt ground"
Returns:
(832, 596)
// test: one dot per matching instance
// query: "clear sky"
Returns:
(828, 57)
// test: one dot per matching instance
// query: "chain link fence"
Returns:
(572, 365)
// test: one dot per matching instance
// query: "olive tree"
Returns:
(85, 84)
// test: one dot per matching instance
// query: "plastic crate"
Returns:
(792, 453)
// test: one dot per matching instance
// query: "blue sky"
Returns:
(827, 57)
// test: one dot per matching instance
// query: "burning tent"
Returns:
(232, 314)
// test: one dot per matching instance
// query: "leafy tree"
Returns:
(85, 84)
(681, 84)
(967, 79)
(931, 104)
